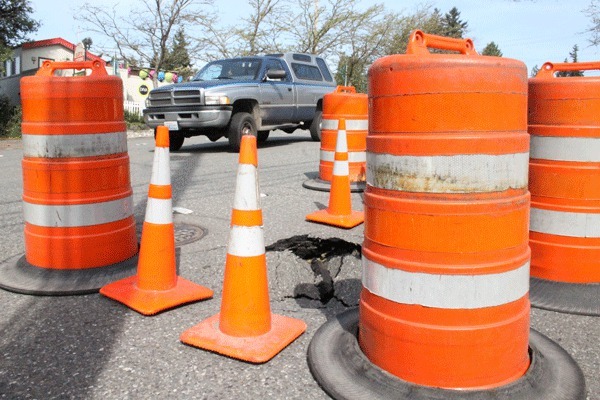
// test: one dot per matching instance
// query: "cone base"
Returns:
(565, 297)
(19, 276)
(255, 349)
(340, 367)
(347, 221)
(325, 186)
(150, 302)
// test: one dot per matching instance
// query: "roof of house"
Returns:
(57, 41)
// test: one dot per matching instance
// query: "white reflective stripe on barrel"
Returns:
(64, 216)
(161, 167)
(581, 149)
(582, 225)
(85, 145)
(246, 241)
(353, 156)
(159, 211)
(246, 188)
(351, 124)
(465, 173)
(445, 291)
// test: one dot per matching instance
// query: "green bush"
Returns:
(134, 121)
(10, 119)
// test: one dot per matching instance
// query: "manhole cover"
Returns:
(186, 233)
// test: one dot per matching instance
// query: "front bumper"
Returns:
(189, 117)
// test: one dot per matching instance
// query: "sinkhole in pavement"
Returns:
(316, 269)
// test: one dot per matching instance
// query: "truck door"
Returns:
(277, 97)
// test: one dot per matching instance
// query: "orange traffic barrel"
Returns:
(564, 170)
(77, 198)
(343, 103)
(444, 305)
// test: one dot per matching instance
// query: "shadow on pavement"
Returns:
(222, 146)
(56, 347)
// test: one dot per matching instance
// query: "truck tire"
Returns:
(241, 123)
(262, 136)
(175, 140)
(315, 126)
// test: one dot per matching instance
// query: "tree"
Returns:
(372, 28)
(534, 71)
(323, 28)
(573, 55)
(491, 49)
(452, 25)
(593, 13)
(146, 33)
(260, 32)
(87, 43)
(15, 24)
(178, 58)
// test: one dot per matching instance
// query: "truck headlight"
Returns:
(147, 102)
(216, 100)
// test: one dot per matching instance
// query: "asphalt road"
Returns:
(90, 347)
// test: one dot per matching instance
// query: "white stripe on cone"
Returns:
(246, 188)
(572, 224)
(64, 216)
(159, 211)
(448, 174)
(445, 291)
(351, 124)
(161, 167)
(65, 146)
(246, 241)
(579, 149)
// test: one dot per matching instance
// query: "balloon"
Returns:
(169, 77)
(161, 76)
(143, 74)
(179, 79)
(174, 77)
(152, 72)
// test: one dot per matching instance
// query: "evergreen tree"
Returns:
(573, 55)
(491, 49)
(177, 58)
(452, 25)
(534, 71)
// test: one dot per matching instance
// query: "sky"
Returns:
(533, 31)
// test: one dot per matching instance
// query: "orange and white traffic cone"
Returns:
(339, 213)
(156, 287)
(245, 328)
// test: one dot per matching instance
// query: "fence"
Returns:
(133, 107)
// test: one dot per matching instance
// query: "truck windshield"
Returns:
(238, 69)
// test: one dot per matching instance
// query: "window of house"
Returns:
(17, 65)
(8, 67)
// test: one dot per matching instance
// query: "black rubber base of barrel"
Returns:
(344, 372)
(570, 298)
(325, 186)
(19, 276)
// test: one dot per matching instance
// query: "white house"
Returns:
(27, 58)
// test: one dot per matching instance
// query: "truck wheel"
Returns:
(315, 126)
(175, 140)
(262, 136)
(241, 123)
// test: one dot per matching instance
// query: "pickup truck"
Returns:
(245, 95)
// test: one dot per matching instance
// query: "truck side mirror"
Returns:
(276, 74)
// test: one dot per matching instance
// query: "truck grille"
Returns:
(176, 97)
